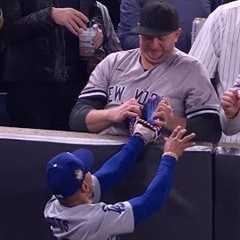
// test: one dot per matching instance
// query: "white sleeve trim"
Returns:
(203, 111)
(90, 94)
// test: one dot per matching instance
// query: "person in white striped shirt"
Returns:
(230, 115)
(217, 47)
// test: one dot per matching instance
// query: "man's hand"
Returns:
(177, 142)
(231, 103)
(70, 18)
(98, 41)
(130, 108)
(164, 113)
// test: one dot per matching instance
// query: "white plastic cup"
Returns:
(86, 42)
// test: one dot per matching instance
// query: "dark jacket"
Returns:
(34, 43)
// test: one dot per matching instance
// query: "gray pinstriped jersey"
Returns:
(96, 221)
(217, 47)
(180, 78)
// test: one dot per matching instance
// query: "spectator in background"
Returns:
(43, 68)
(230, 116)
(1, 43)
(114, 10)
(217, 47)
(125, 80)
(187, 10)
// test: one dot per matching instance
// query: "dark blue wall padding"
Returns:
(227, 194)
(23, 192)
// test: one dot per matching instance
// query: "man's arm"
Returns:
(206, 126)
(87, 114)
(201, 104)
(118, 166)
(39, 23)
(82, 108)
(158, 190)
(230, 116)
(230, 126)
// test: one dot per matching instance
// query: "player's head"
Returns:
(68, 172)
(159, 30)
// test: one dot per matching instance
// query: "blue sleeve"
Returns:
(157, 192)
(129, 17)
(118, 166)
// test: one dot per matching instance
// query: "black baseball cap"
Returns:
(157, 18)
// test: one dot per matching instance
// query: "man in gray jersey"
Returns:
(217, 47)
(124, 81)
(74, 212)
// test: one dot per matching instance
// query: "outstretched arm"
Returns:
(158, 190)
(118, 166)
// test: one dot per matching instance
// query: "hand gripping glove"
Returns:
(146, 127)
(149, 109)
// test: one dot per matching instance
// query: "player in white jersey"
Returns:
(217, 47)
(74, 212)
(125, 80)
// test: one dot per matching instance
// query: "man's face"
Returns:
(154, 49)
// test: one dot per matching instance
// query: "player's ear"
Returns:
(177, 34)
(84, 187)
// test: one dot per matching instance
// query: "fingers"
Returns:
(160, 123)
(189, 137)
(74, 27)
(81, 16)
(229, 99)
(135, 109)
(130, 114)
(175, 131)
(71, 29)
(98, 38)
(187, 145)
(163, 107)
(181, 133)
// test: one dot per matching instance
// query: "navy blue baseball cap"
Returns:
(157, 18)
(66, 171)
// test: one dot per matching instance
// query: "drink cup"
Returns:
(86, 43)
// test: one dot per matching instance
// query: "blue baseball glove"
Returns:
(145, 126)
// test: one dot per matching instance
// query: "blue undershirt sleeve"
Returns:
(156, 193)
(118, 166)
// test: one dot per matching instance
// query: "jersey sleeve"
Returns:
(201, 97)
(117, 219)
(207, 46)
(97, 86)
